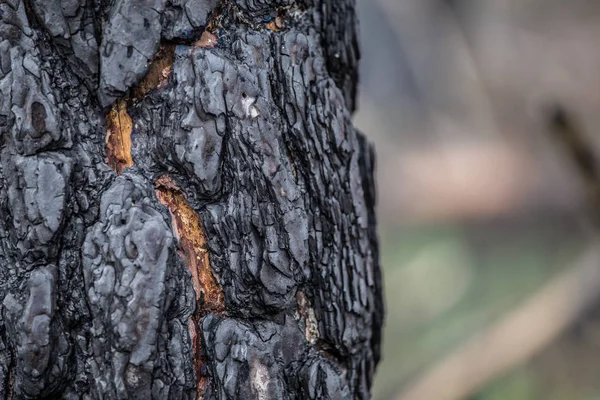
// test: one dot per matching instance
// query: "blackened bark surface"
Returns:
(186, 210)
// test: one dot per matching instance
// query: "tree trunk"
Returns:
(186, 210)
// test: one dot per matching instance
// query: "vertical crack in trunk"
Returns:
(119, 124)
(307, 313)
(118, 137)
(186, 223)
(10, 393)
(188, 228)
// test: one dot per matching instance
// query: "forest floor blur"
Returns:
(446, 283)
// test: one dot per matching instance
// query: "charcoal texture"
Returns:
(255, 129)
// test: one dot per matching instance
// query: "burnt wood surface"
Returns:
(186, 210)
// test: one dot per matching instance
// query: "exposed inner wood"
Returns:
(118, 137)
(276, 24)
(159, 71)
(188, 228)
(207, 40)
(307, 313)
(186, 222)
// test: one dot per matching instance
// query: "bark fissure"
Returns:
(159, 71)
(185, 221)
(118, 137)
(188, 228)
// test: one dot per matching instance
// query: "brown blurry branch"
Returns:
(576, 147)
(520, 335)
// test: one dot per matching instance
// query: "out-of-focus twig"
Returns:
(517, 337)
(569, 135)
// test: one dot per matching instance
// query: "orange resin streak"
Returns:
(118, 137)
(159, 72)
(188, 227)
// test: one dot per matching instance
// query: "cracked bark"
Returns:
(186, 210)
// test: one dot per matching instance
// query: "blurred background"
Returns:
(485, 116)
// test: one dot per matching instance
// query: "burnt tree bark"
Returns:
(186, 210)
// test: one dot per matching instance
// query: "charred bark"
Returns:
(186, 210)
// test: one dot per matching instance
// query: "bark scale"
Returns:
(186, 210)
